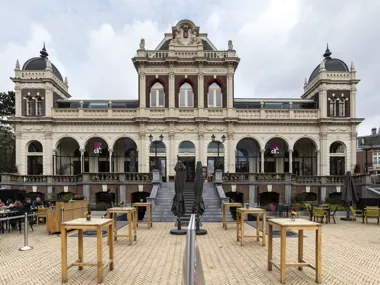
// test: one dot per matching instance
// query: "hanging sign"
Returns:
(275, 149)
(97, 147)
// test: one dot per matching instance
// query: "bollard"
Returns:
(26, 246)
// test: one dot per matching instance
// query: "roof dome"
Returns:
(331, 64)
(39, 63)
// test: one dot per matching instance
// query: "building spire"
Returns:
(352, 66)
(327, 53)
(43, 52)
(17, 65)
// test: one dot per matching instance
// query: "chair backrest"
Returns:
(318, 211)
(372, 208)
(42, 211)
(307, 206)
(334, 208)
(372, 212)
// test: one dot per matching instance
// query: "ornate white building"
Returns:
(186, 98)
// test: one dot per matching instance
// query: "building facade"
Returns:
(186, 109)
(368, 154)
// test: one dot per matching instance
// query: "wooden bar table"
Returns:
(225, 208)
(148, 207)
(240, 213)
(132, 218)
(300, 225)
(80, 225)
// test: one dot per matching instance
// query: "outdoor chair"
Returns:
(356, 213)
(332, 214)
(319, 213)
(371, 212)
(42, 213)
(309, 209)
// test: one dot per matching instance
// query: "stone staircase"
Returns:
(162, 210)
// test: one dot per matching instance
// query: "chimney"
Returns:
(373, 131)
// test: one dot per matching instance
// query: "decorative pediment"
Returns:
(185, 33)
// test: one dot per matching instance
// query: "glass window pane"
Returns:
(190, 97)
(332, 113)
(153, 101)
(182, 98)
(162, 98)
(211, 98)
(218, 99)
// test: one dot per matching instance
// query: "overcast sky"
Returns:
(279, 42)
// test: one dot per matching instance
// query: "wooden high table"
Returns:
(300, 225)
(80, 225)
(240, 213)
(132, 218)
(225, 208)
(148, 207)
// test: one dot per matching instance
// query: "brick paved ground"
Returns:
(351, 255)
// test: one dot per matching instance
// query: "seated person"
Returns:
(1, 204)
(9, 204)
(28, 204)
(37, 203)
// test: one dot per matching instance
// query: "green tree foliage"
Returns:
(7, 138)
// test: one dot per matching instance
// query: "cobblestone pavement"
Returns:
(351, 255)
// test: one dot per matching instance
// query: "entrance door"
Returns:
(189, 163)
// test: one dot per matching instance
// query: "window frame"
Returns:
(187, 89)
(214, 95)
(157, 90)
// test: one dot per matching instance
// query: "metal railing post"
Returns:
(26, 246)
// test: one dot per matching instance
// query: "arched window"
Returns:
(35, 146)
(337, 158)
(29, 107)
(39, 107)
(186, 95)
(332, 108)
(157, 95)
(215, 97)
(186, 147)
(341, 109)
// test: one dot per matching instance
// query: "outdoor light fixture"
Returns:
(223, 138)
(218, 144)
(161, 137)
(213, 137)
(156, 142)
(150, 138)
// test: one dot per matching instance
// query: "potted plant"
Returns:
(293, 215)
(88, 215)
(121, 204)
(246, 205)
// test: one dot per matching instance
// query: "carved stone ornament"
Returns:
(142, 44)
(230, 45)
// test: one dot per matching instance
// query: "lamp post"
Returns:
(155, 147)
(218, 144)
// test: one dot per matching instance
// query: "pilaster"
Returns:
(230, 87)
(171, 88)
(142, 88)
(48, 154)
(324, 154)
(201, 90)
(290, 160)
(262, 151)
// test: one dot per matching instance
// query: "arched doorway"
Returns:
(248, 156)
(125, 156)
(215, 157)
(186, 154)
(157, 158)
(304, 157)
(337, 158)
(269, 197)
(276, 156)
(34, 158)
(96, 157)
(67, 157)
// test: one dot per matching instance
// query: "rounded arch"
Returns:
(185, 80)
(248, 157)
(215, 80)
(277, 137)
(213, 146)
(314, 141)
(334, 147)
(83, 146)
(116, 139)
(155, 80)
(34, 146)
(59, 139)
(304, 157)
(250, 137)
(161, 147)
(186, 147)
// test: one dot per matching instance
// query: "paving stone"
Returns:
(350, 255)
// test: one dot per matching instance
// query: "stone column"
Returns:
(173, 154)
(262, 160)
(324, 154)
(86, 192)
(171, 90)
(230, 87)
(290, 161)
(252, 192)
(110, 151)
(201, 91)
(353, 103)
(231, 153)
(142, 89)
(143, 154)
(201, 149)
(82, 151)
(48, 154)
(122, 194)
(323, 103)
(318, 152)
(54, 162)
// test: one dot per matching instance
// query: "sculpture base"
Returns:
(26, 248)
(177, 232)
(201, 232)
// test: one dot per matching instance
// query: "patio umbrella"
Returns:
(178, 207)
(349, 195)
(199, 205)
